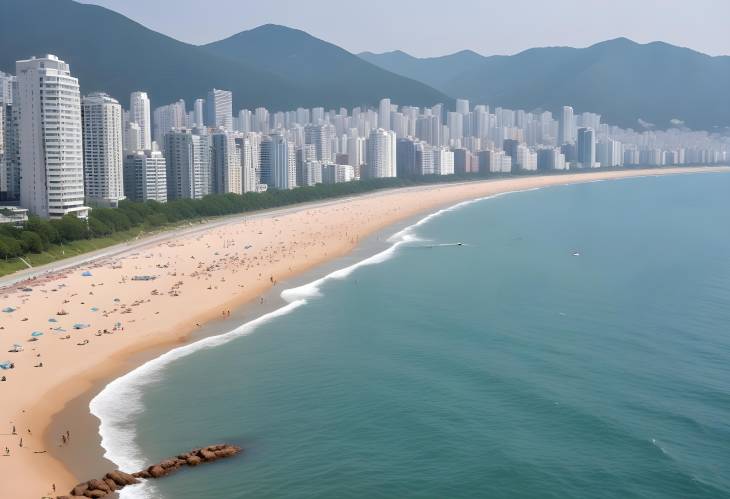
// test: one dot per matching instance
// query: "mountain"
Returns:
(319, 68)
(110, 52)
(620, 79)
(433, 71)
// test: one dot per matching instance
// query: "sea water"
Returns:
(575, 345)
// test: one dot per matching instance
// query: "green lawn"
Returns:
(61, 251)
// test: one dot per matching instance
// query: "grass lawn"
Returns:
(61, 251)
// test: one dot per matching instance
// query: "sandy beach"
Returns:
(79, 326)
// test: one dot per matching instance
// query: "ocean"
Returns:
(568, 342)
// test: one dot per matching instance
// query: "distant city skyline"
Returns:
(487, 27)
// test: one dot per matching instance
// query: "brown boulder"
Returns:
(226, 452)
(121, 478)
(168, 463)
(80, 489)
(194, 460)
(98, 485)
(156, 471)
(110, 483)
(96, 493)
(207, 455)
(142, 474)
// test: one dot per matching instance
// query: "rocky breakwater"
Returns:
(115, 480)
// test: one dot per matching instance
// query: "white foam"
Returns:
(121, 400)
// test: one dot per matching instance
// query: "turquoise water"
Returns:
(503, 368)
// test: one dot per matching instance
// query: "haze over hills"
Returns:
(623, 80)
(319, 68)
(112, 53)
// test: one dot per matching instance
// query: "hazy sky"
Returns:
(428, 28)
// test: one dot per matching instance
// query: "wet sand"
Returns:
(199, 276)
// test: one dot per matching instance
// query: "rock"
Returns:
(121, 478)
(98, 485)
(207, 455)
(156, 471)
(96, 493)
(226, 452)
(80, 489)
(110, 483)
(194, 460)
(168, 463)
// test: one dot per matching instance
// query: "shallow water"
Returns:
(506, 367)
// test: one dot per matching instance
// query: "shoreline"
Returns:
(56, 407)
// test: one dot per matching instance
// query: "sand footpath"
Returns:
(83, 323)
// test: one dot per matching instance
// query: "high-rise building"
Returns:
(139, 112)
(278, 162)
(443, 161)
(384, 114)
(320, 136)
(405, 158)
(6, 88)
(226, 163)
(304, 155)
(381, 154)
(51, 148)
(610, 153)
(188, 164)
(166, 118)
(586, 148)
(246, 148)
(10, 161)
(566, 133)
(131, 137)
(462, 106)
(145, 176)
(219, 109)
(198, 113)
(103, 159)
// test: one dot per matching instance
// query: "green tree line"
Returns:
(38, 235)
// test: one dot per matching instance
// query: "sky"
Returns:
(427, 28)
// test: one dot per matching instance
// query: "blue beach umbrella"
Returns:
(7, 310)
(52, 320)
(36, 333)
(86, 273)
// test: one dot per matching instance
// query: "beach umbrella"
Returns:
(5, 364)
(79, 325)
(94, 309)
(36, 333)
(52, 320)
(7, 310)
(86, 273)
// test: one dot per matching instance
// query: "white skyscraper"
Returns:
(219, 109)
(462, 106)
(188, 164)
(381, 154)
(245, 147)
(139, 112)
(103, 160)
(167, 118)
(145, 176)
(566, 133)
(198, 110)
(51, 148)
(132, 137)
(384, 114)
(226, 163)
(278, 162)
(6, 88)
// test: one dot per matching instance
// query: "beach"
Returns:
(82, 326)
